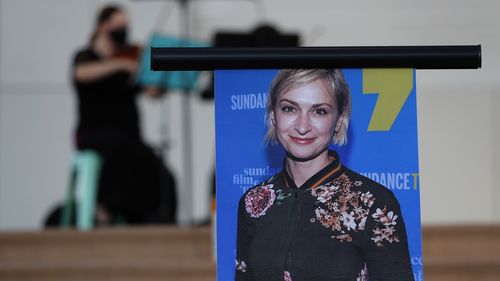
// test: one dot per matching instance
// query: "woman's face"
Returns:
(305, 119)
(118, 20)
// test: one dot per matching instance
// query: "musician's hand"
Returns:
(93, 71)
(126, 64)
(154, 92)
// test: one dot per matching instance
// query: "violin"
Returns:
(132, 52)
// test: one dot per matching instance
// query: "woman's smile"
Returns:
(302, 140)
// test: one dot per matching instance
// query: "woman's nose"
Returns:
(303, 124)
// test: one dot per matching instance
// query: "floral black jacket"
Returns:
(338, 226)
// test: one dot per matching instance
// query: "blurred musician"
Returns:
(134, 183)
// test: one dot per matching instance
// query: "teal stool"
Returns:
(82, 190)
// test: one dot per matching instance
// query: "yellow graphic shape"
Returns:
(393, 87)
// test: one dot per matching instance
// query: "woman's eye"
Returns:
(287, 109)
(320, 111)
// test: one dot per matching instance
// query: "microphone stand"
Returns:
(186, 116)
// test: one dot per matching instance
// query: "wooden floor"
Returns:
(458, 253)
(462, 253)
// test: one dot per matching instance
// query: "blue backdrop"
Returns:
(382, 145)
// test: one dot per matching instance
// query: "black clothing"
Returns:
(338, 225)
(134, 183)
(107, 107)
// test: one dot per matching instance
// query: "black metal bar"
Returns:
(419, 57)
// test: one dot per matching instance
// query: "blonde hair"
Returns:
(289, 79)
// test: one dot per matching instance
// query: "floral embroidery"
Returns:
(287, 276)
(324, 193)
(363, 275)
(349, 220)
(259, 199)
(340, 208)
(241, 266)
(367, 198)
(343, 237)
(328, 219)
(280, 196)
(386, 219)
(344, 210)
(385, 227)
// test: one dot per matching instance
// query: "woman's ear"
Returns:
(339, 123)
(273, 120)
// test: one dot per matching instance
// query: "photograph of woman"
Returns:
(317, 220)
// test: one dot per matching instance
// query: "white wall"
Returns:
(458, 109)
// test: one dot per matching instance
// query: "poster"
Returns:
(382, 145)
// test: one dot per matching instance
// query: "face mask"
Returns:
(119, 36)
